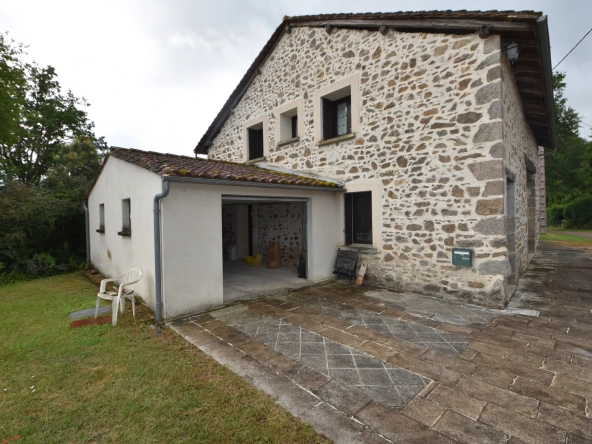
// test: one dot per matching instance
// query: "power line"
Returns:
(572, 49)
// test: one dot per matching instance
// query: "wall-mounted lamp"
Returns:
(512, 51)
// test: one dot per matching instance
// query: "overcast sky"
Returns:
(157, 72)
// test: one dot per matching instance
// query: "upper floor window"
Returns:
(289, 125)
(255, 141)
(336, 110)
(337, 114)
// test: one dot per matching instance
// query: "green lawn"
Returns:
(118, 384)
(555, 235)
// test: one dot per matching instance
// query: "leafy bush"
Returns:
(40, 265)
(49, 158)
(578, 214)
(555, 215)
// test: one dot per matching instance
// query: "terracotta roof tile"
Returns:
(184, 166)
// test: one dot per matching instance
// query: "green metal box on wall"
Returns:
(462, 257)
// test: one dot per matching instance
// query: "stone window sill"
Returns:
(100, 230)
(289, 141)
(337, 139)
(257, 160)
(362, 248)
(125, 233)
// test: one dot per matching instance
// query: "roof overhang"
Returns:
(529, 29)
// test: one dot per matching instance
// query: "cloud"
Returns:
(158, 72)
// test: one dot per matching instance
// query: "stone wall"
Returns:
(228, 228)
(430, 143)
(283, 223)
(518, 143)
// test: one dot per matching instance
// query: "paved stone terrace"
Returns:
(515, 379)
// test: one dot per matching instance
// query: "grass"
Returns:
(118, 384)
(555, 235)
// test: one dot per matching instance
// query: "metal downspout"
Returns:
(166, 186)
(87, 233)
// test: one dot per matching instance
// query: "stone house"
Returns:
(425, 127)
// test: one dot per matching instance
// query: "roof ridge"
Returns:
(181, 156)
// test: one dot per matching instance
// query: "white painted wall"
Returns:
(112, 254)
(192, 241)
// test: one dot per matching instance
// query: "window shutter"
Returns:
(252, 144)
(328, 119)
(349, 114)
(259, 143)
(294, 126)
(348, 218)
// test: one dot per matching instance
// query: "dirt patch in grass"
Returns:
(91, 321)
(119, 384)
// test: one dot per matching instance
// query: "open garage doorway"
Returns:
(274, 228)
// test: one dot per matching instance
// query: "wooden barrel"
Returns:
(274, 255)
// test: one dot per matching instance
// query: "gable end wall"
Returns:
(111, 253)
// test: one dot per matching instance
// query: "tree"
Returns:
(569, 169)
(12, 83)
(43, 225)
(49, 158)
(42, 119)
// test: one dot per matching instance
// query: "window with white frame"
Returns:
(336, 116)
(289, 126)
(255, 141)
(336, 111)
(358, 218)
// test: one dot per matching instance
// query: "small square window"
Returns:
(289, 125)
(337, 113)
(101, 218)
(358, 218)
(126, 216)
(256, 148)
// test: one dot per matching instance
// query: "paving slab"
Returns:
(358, 319)
(464, 430)
(377, 366)
(393, 386)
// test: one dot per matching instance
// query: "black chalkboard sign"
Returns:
(345, 263)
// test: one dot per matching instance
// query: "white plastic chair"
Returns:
(127, 283)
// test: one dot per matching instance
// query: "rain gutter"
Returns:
(166, 187)
(87, 233)
(237, 183)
